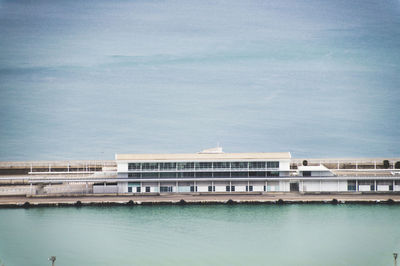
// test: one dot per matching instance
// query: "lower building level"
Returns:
(292, 185)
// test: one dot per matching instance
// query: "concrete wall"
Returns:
(323, 186)
(258, 186)
(122, 167)
(17, 190)
(311, 186)
(364, 187)
(382, 187)
(284, 165)
(321, 173)
(273, 186)
(122, 187)
(101, 189)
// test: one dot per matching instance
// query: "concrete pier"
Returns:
(198, 198)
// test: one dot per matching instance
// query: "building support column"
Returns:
(266, 185)
(375, 189)
(177, 190)
(159, 185)
(356, 185)
(320, 185)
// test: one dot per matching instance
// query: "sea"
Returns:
(88, 79)
(309, 235)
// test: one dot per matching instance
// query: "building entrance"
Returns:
(294, 187)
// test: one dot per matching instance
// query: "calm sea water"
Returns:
(201, 235)
(87, 79)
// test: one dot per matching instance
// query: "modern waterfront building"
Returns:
(213, 170)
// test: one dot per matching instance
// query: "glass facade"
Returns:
(202, 174)
(222, 165)
(167, 166)
(272, 164)
(134, 166)
(240, 165)
(201, 165)
(238, 169)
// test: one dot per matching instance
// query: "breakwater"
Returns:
(196, 199)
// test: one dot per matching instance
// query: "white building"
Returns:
(213, 170)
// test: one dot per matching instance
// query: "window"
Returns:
(138, 189)
(239, 164)
(133, 166)
(203, 165)
(182, 166)
(134, 175)
(166, 189)
(228, 188)
(256, 165)
(273, 164)
(204, 174)
(193, 188)
(265, 188)
(150, 166)
(351, 185)
(240, 174)
(257, 174)
(232, 188)
(147, 189)
(185, 174)
(272, 173)
(129, 189)
(167, 166)
(219, 165)
(306, 173)
(168, 175)
(211, 188)
(221, 174)
(149, 175)
(249, 188)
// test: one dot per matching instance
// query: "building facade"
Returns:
(213, 170)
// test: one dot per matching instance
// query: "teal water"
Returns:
(201, 235)
(87, 79)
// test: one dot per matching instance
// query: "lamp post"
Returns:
(395, 259)
(52, 259)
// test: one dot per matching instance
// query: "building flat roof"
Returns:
(204, 156)
(313, 168)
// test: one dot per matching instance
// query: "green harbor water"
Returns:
(201, 235)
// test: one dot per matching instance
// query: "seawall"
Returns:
(195, 198)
